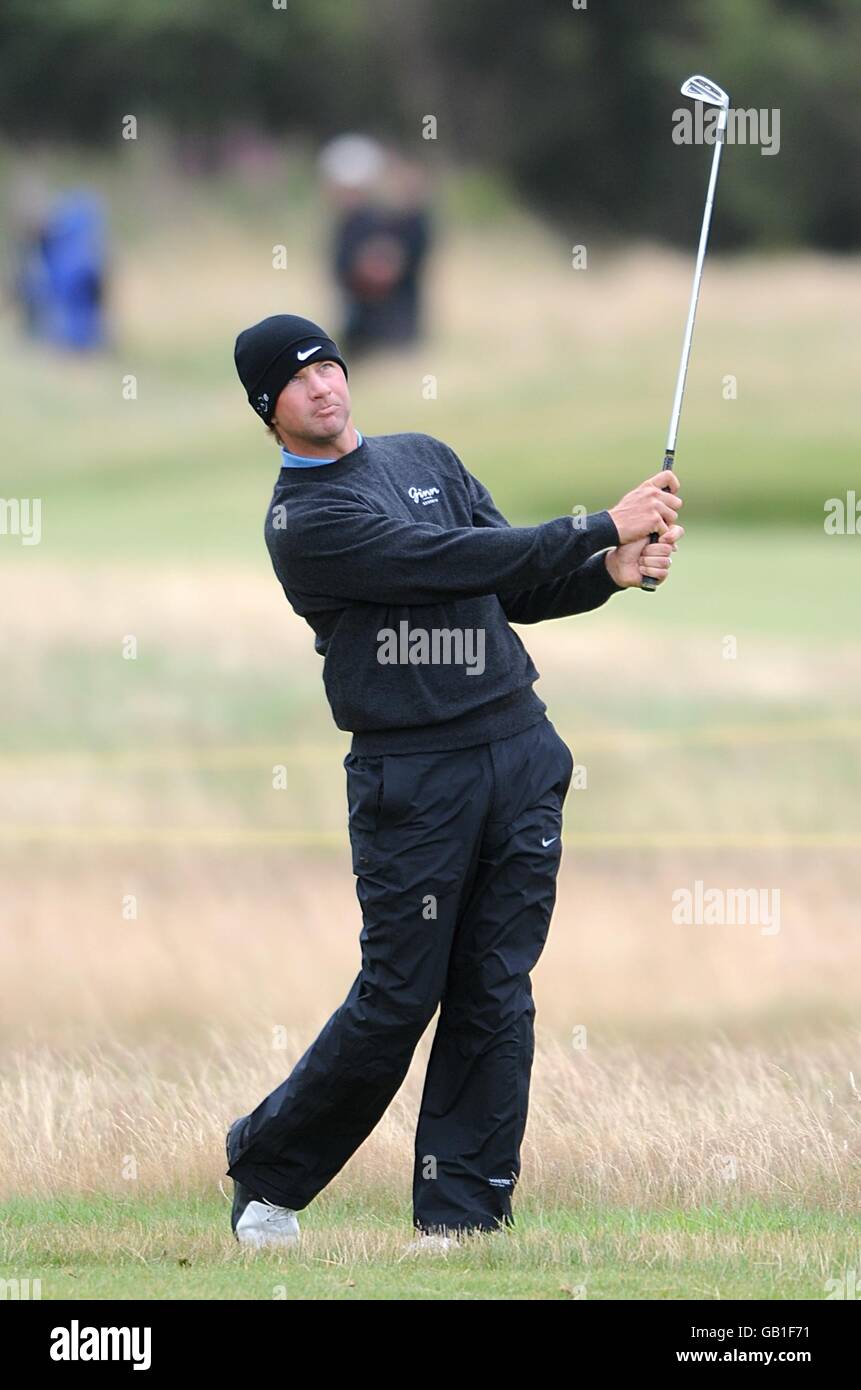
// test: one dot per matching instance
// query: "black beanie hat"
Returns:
(270, 352)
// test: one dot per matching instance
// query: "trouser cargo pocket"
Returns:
(365, 793)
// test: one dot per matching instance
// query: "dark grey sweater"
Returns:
(400, 562)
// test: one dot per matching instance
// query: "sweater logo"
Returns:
(425, 495)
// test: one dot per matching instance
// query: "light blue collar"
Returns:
(289, 460)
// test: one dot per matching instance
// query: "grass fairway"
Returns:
(177, 1249)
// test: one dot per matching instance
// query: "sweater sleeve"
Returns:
(347, 551)
(585, 588)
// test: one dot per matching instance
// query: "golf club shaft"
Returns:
(647, 582)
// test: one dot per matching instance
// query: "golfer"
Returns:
(398, 559)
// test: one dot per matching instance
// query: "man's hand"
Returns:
(648, 508)
(627, 564)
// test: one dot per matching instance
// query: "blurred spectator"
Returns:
(381, 237)
(60, 270)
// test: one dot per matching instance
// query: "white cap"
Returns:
(352, 160)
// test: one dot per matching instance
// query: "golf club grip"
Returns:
(647, 583)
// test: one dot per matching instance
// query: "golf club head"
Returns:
(702, 89)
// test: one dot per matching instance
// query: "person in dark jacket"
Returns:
(409, 576)
(378, 259)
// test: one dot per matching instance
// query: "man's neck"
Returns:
(344, 443)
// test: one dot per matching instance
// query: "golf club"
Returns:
(699, 89)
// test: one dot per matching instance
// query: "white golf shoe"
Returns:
(263, 1223)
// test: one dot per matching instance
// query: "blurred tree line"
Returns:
(573, 106)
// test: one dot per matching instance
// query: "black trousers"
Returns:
(456, 856)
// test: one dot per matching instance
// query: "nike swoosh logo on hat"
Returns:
(545, 843)
(303, 355)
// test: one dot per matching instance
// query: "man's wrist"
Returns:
(611, 567)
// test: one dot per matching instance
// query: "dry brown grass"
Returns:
(676, 1127)
(258, 938)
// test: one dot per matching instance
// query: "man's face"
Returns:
(314, 406)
